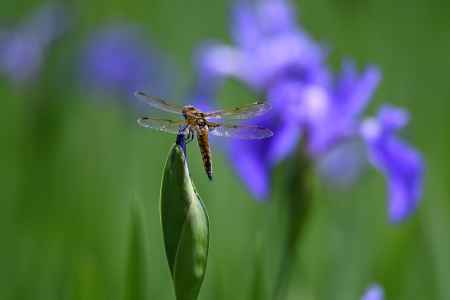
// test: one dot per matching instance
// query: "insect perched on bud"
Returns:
(197, 123)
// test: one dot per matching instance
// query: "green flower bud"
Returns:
(185, 226)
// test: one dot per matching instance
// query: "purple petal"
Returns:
(345, 104)
(401, 164)
(374, 292)
(254, 159)
(284, 141)
(248, 160)
(343, 165)
(245, 25)
(292, 55)
(251, 23)
(353, 92)
(303, 102)
(276, 16)
(272, 45)
(214, 63)
(393, 118)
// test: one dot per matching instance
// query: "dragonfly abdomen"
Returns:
(205, 150)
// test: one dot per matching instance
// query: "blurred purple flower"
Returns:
(402, 165)
(262, 34)
(23, 48)
(374, 292)
(276, 58)
(118, 59)
(343, 165)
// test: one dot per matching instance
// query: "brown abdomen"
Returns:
(206, 152)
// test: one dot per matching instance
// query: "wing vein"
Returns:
(159, 103)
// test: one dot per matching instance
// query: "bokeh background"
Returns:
(79, 207)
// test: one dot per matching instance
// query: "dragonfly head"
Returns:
(190, 111)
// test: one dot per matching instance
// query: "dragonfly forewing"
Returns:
(245, 132)
(159, 103)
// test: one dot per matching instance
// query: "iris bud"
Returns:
(185, 225)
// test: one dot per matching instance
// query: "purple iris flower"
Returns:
(262, 35)
(399, 162)
(23, 49)
(274, 57)
(374, 292)
(118, 59)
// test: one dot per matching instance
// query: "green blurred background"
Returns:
(79, 207)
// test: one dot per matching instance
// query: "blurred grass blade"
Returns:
(138, 276)
(297, 203)
(185, 226)
(258, 285)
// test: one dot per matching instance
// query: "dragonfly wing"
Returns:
(159, 103)
(169, 126)
(245, 132)
(243, 112)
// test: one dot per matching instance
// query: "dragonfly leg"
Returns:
(190, 136)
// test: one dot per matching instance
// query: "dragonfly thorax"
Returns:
(191, 113)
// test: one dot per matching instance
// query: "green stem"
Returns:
(299, 194)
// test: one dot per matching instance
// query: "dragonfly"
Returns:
(197, 123)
